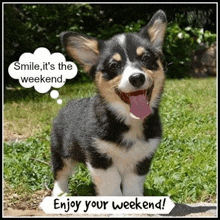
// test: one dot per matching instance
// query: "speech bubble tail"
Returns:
(54, 94)
(59, 101)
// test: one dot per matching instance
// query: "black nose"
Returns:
(137, 79)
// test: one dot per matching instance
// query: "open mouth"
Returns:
(125, 96)
(138, 101)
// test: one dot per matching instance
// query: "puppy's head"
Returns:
(127, 68)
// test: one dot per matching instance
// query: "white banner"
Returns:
(107, 205)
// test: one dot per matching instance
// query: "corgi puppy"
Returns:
(116, 132)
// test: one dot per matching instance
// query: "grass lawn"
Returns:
(184, 166)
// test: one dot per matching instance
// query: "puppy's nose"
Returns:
(137, 79)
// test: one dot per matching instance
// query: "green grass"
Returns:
(184, 166)
(36, 110)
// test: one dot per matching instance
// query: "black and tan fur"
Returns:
(99, 131)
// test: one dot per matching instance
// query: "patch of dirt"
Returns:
(23, 204)
(10, 135)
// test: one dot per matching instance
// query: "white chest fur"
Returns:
(125, 159)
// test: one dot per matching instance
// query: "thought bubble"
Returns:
(42, 70)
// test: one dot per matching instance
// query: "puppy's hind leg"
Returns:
(61, 177)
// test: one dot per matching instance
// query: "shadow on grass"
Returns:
(89, 189)
(18, 94)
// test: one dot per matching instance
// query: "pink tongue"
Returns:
(139, 106)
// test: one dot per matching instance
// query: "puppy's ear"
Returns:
(154, 31)
(81, 48)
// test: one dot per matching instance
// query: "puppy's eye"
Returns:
(145, 59)
(114, 66)
(149, 62)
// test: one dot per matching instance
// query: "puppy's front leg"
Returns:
(133, 185)
(107, 181)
